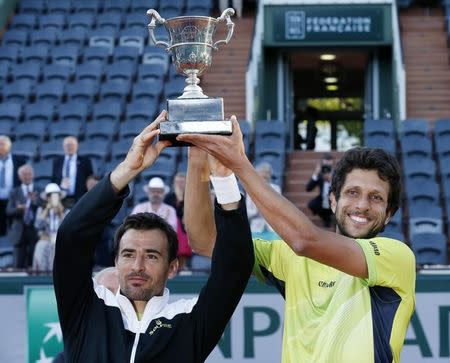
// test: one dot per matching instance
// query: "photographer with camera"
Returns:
(320, 205)
(48, 219)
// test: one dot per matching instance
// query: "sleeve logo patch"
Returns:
(159, 324)
(375, 248)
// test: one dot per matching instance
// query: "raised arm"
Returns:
(294, 227)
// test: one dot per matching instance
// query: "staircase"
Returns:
(300, 166)
(226, 77)
(425, 53)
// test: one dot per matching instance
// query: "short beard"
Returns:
(370, 234)
(137, 295)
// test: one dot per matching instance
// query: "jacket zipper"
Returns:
(135, 344)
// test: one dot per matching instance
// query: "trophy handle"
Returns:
(230, 25)
(155, 17)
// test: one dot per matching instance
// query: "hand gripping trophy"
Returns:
(191, 45)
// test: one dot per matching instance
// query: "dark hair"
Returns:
(147, 221)
(365, 158)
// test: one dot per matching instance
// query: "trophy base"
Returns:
(194, 116)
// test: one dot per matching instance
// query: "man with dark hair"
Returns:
(136, 323)
(350, 294)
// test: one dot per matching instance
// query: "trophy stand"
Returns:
(191, 48)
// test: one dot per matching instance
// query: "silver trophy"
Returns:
(191, 45)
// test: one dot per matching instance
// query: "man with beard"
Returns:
(350, 294)
(136, 323)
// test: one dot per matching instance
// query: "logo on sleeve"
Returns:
(159, 325)
(375, 248)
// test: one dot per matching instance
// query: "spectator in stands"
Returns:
(48, 218)
(22, 207)
(257, 222)
(138, 323)
(156, 191)
(320, 205)
(176, 199)
(235, 4)
(9, 164)
(336, 284)
(71, 171)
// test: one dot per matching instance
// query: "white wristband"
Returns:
(226, 189)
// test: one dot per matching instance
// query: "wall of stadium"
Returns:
(30, 330)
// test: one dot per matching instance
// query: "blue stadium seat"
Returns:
(51, 149)
(174, 88)
(276, 158)
(28, 72)
(60, 72)
(414, 127)
(121, 71)
(381, 142)
(59, 130)
(59, 7)
(425, 219)
(416, 146)
(15, 38)
(9, 53)
(165, 169)
(444, 169)
(140, 111)
(51, 92)
(126, 54)
(133, 37)
(65, 54)
(96, 54)
(399, 236)
(26, 148)
(18, 92)
(35, 54)
(131, 128)
(101, 130)
(25, 22)
(79, 20)
(152, 54)
(95, 149)
(146, 91)
(103, 38)
(120, 149)
(10, 111)
(170, 154)
(116, 6)
(442, 127)
(269, 143)
(199, 7)
(6, 127)
(152, 71)
(137, 20)
(89, 71)
(114, 91)
(427, 192)
(73, 37)
(52, 21)
(396, 222)
(86, 6)
(429, 248)
(4, 72)
(31, 130)
(265, 128)
(39, 111)
(419, 169)
(141, 6)
(32, 6)
(176, 5)
(82, 91)
(442, 144)
(46, 37)
(43, 169)
(107, 111)
(73, 111)
(109, 20)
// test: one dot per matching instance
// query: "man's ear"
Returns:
(333, 202)
(173, 268)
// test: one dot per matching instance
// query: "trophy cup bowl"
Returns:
(191, 46)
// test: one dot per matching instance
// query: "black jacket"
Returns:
(99, 326)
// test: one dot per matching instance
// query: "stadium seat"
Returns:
(146, 91)
(130, 129)
(28, 72)
(152, 71)
(264, 128)
(86, 6)
(268, 143)
(120, 149)
(176, 5)
(414, 127)
(35, 54)
(137, 20)
(276, 158)
(95, 149)
(14, 37)
(51, 92)
(152, 54)
(96, 54)
(25, 22)
(381, 142)
(32, 6)
(399, 236)
(73, 37)
(396, 222)
(52, 21)
(31, 130)
(46, 37)
(79, 20)
(65, 54)
(89, 71)
(140, 111)
(101, 130)
(102, 38)
(416, 146)
(61, 72)
(165, 169)
(199, 7)
(59, 130)
(9, 54)
(141, 6)
(114, 91)
(26, 148)
(126, 54)
(39, 111)
(429, 248)
(442, 144)
(4, 72)
(116, 6)
(426, 192)
(442, 127)
(419, 169)
(52, 148)
(6, 127)
(107, 111)
(133, 38)
(82, 91)
(17, 92)
(109, 20)
(121, 71)
(43, 169)
(174, 88)
(73, 111)
(59, 7)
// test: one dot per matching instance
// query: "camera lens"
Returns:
(326, 169)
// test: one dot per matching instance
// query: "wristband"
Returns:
(226, 189)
